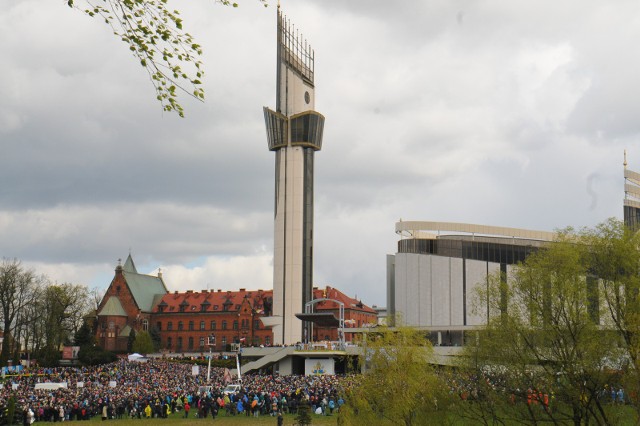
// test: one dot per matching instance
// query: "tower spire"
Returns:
(625, 159)
(294, 133)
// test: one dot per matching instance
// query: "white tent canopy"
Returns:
(137, 357)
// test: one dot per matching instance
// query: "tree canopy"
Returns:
(561, 326)
(400, 384)
(143, 343)
(37, 315)
(156, 37)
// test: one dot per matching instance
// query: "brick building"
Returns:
(127, 305)
(188, 321)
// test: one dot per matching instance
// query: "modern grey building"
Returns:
(294, 133)
(433, 277)
(631, 197)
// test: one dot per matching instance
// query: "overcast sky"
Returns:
(506, 113)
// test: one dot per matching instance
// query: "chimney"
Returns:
(160, 273)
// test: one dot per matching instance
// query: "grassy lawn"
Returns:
(177, 419)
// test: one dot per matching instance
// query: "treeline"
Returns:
(39, 316)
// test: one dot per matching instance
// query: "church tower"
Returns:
(294, 133)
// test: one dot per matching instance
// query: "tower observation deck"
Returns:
(294, 133)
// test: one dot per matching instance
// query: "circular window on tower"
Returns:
(307, 97)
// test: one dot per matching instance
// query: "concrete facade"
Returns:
(434, 278)
(294, 132)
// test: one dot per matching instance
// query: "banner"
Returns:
(319, 366)
(70, 352)
(12, 369)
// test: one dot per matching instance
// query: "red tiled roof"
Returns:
(333, 293)
(193, 300)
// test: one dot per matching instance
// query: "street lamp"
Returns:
(211, 342)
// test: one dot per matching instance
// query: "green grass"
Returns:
(176, 419)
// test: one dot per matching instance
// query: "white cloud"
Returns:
(253, 272)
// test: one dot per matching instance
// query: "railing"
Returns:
(320, 346)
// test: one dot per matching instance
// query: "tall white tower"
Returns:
(294, 132)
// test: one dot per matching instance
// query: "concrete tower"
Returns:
(294, 133)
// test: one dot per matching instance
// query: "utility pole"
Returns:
(211, 343)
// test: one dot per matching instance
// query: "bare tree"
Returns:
(16, 285)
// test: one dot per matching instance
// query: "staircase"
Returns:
(265, 360)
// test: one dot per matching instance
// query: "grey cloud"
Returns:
(426, 119)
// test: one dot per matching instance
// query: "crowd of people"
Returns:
(157, 388)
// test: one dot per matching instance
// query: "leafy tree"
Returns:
(143, 343)
(131, 340)
(543, 338)
(155, 337)
(155, 36)
(303, 417)
(613, 255)
(400, 385)
(95, 355)
(84, 336)
(17, 294)
(48, 356)
(62, 309)
(11, 409)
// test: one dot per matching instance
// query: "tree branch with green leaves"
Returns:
(156, 37)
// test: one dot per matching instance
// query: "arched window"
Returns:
(169, 341)
(224, 324)
(179, 345)
(190, 343)
(213, 325)
(235, 324)
(145, 324)
(201, 325)
(179, 325)
(190, 325)
(170, 325)
(201, 343)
